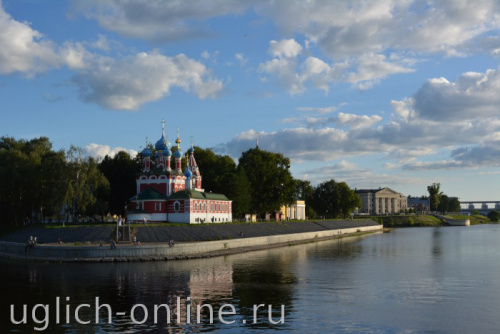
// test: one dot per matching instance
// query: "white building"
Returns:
(381, 201)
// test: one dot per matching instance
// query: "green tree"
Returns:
(121, 172)
(33, 180)
(218, 171)
(85, 183)
(305, 191)
(494, 215)
(444, 204)
(454, 205)
(332, 199)
(434, 195)
(272, 184)
(240, 193)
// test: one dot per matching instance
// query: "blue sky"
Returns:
(396, 94)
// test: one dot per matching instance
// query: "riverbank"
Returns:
(426, 220)
(203, 240)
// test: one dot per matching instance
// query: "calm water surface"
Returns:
(420, 280)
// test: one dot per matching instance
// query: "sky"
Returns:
(398, 94)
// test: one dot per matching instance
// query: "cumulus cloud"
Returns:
(441, 116)
(356, 177)
(346, 29)
(121, 84)
(125, 84)
(472, 96)
(292, 73)
(158, 20)
(23, 49)
(287, 48)
(100, 151)
(27, 51)
(364, 41)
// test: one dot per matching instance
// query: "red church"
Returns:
(167, 194)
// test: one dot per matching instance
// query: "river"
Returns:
(414, 280)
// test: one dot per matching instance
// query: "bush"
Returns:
(494, 215)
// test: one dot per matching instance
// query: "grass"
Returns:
(423, 220)
(405, 221)
(474, 219)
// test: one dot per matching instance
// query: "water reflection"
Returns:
(411, 280)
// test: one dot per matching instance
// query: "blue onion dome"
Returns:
(161, 145)
(167, 152)
(188, 173)
(191, 149)
(146, 152)
(178, 153)
(157, 155)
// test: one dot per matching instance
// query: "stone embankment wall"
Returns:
(162, 251)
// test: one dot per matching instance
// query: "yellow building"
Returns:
(296, 210)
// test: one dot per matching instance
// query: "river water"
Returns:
(418, 280)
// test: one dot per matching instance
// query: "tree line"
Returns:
(37, 182)
(441, 202)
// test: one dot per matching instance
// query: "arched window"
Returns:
(177, 206)
(204, 207)
(196, 206)
(219, 207)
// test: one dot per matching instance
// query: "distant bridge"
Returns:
(479, 205)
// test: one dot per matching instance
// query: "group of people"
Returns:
(30, 243)
(136, 242)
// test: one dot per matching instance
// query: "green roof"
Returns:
(148, 194)
(190, 193)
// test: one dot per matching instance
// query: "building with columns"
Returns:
(167, 194)
(296, 210)
(381, 201)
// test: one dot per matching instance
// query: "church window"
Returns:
(177, 206)
(158, 206)
(196, 206)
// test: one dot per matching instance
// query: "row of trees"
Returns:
(37, 182)
(441, 202)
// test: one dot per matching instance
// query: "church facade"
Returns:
(166, 193)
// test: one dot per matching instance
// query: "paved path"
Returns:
(204, 232)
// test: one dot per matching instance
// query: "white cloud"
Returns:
(125, 84)
(371, 68)
(442, 116)
(241, 58)
(472, 96)
(100, 151)
(23, 49)
(320, 110)
(205, 54)
(283, 72)
(286, 48)
(356, 177)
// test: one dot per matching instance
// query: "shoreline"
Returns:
(181, 251)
